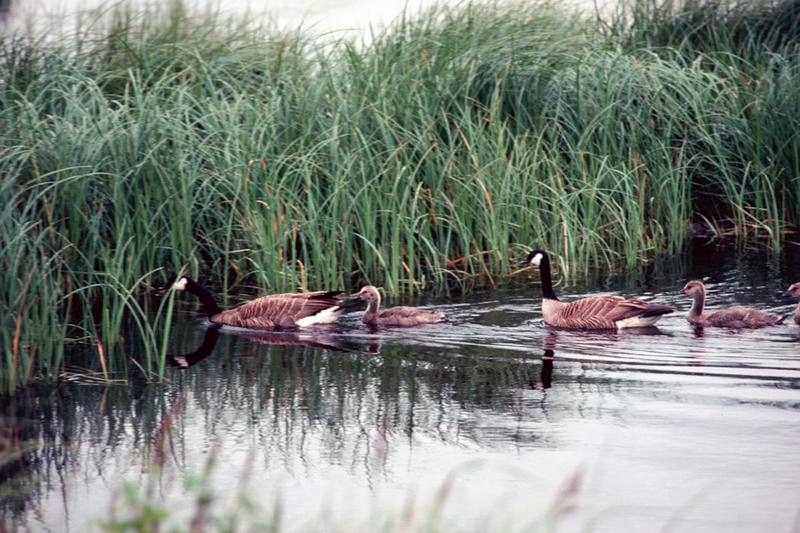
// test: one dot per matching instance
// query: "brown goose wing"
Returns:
(277, 310)
(588, 313)
(603, 312)
(633, 308)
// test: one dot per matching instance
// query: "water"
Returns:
(668, 429)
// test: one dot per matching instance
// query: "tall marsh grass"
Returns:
(426, 156)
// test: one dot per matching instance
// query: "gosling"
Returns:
(737, 317)
(404, 317)
(794, 292)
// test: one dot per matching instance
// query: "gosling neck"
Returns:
(372, 309)
(207, 303)
(547, 280)
(698, 304)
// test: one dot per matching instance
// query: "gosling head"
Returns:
(694, 288)
(370, 295)
(793, 290)
(534, 257)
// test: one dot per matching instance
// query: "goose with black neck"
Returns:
(272, 312)
(601, 312)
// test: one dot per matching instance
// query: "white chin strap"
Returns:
(180, 285)
(537, 259)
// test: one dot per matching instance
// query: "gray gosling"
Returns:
(404, 317)
(736, 317)
(794, 292)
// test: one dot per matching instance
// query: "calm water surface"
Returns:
(666, 430)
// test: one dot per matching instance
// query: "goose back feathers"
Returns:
(602, 312)
(736, 317)
(276, 311)
(594, 312)
(394, 316)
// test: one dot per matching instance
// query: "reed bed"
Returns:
(425, 157)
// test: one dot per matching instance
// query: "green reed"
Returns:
(427, 156)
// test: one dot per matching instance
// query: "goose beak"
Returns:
(163, 288)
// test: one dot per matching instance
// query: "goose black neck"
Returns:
(207, 302)
(547, 281)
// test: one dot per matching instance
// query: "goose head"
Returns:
(534, 257)
(694, 288)
(164, 287)
(178, 283)
(793, 290)
(181, 283)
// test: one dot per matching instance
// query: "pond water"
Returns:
(509, 424)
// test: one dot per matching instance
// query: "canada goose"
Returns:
(794, 292)
(737, 317)
(276, 311)
(394, 316)
(593, 312)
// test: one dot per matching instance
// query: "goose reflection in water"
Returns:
(577, 341)
(323, 339)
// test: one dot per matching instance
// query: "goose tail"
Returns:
(350, 304)
(657, 310)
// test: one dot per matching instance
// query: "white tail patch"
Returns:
(637, 322)
(326, 316)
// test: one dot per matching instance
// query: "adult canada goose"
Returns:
(394, 316)
(276, 311)
(593, 312)
(794, 292)
(737, 317)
